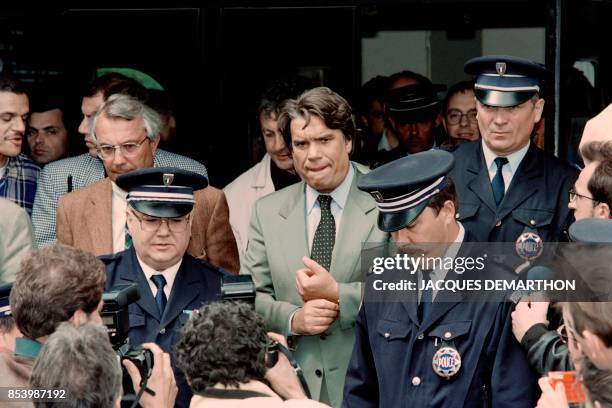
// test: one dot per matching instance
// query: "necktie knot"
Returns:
(160, 298)
(159, 280)
(324, 201)
(500, 162)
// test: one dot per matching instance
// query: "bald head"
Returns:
(597, 135)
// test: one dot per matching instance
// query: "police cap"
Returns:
(404, 187)
(505, 81)
(414, 103)
(161, 191)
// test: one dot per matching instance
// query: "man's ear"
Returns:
(602, 210)
(594, 346)
(539, 108)
(78, 318)
(439, 120)
(449, 211)
(154, 144)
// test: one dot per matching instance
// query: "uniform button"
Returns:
(416, 381)
(498, 223)
(448, 335)
(532, 222)
(162, 331)
(387, 335)
(421, 336)
(318, 372)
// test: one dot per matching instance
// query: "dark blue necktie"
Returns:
(426, 296)
(498, 180)
(160, 298)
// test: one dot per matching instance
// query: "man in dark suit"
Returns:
(171, 282)
(506, 185)
(427, 346)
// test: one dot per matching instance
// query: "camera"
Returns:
(238, 288)
(115, 316)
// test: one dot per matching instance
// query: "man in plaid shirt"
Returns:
(18, 174)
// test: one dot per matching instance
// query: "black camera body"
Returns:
(115, 316)
(238, 288)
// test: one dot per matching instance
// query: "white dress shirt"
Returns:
(169, 274)
(119, 207)
(509, 169)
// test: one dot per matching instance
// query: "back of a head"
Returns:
(81, 361)
(595, 317)
(597, 383)
(52, 284)
(115, 83)
(407, 77)
(323, 103)
(223, 342)
(280, 90)
(600, 183)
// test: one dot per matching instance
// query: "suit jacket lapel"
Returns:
(136, 275)
(99, 218)
(184, 290)
(293, 239)
(480, 183)
(353, 231)
(528, 173)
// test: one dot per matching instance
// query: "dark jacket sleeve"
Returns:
(513, 382)
(546, 351)
(361, 385)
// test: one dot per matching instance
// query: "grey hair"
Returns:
(121, 106)
(81, 361)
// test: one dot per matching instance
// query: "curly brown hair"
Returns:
(52, 284)
(223, 342)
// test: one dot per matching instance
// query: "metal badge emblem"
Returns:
(529, 246)
(446, 362)
(168, 178)
(500, 68)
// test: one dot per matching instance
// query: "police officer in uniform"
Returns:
(171, 282)
(506, 185)
(422, 347)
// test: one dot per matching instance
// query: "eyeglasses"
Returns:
(455, 116)
(573, 196)
(127, 149)
(151, 224)
(567, 334)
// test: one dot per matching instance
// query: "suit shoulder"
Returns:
(201, 264)
(245, 180)
(111, 258)
(83, 193)
(10, 210)
(556, 164)
(277, 198)
(167, 158)
(465, 149)
(69, 164)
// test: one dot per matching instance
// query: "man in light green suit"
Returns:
(305, 242)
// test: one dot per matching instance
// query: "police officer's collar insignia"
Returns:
(377, 196)
(446, 362)
(168, 178)
(529, 246)
(500, 68)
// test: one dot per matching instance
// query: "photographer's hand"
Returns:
(161, 382)
(282, 376)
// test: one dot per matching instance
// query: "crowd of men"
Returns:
(407, 167)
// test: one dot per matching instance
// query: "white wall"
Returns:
(393, 51)
(529, 43)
